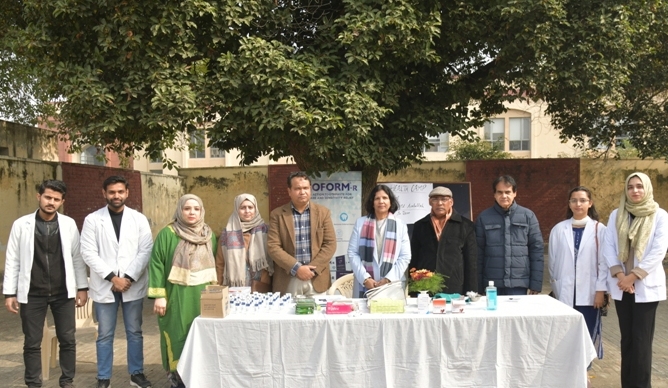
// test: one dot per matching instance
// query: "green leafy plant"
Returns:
(476, 150)
(425, 280)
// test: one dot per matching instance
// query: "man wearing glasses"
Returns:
(444, 242)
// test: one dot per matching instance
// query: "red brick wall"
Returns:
(278, 184)
(542, 185)
(84, 189)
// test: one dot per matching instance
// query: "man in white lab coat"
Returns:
(116, 244)
(43, 269)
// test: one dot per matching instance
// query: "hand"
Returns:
(532, 292)
(12, 305)
(369, 283)
(160, 306)
(304, 272)
(598, 299)
(383, 282)
(626, 283)
(120, 284)
(82, 297)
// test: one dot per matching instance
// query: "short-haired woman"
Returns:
(379, 249)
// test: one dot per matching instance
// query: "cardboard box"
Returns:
(215, 302)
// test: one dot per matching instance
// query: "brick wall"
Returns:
(84, 189)
(542, 185)
(278, 184)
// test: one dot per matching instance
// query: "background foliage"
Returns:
(338, 85)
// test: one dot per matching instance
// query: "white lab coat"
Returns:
(653, 287)
(105, 254)
(21, 251)
(591, 274)
(402, 257)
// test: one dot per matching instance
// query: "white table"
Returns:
(535, 341)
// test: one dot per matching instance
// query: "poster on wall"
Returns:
(341, 193)
(413, 200)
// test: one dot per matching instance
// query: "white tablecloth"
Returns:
(530, 341)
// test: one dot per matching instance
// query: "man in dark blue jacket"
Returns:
(510, 244)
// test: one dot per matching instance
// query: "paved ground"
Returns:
(604, 373)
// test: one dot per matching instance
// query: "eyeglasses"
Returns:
(575, 201)
(440, 199)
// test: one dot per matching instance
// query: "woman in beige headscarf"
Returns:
(634, 246)
(182, 264)
(242, 259)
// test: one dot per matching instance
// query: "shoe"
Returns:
(104, 383)
(139, 380)
(67, 385)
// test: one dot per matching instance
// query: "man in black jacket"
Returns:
(444, 242)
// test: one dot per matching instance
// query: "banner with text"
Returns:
(341, 193)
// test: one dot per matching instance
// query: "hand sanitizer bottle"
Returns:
(491, 296)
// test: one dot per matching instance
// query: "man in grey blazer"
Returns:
(301, 238)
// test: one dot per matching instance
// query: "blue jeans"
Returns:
(511, 291)
(106, 314)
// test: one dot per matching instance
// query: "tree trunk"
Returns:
(369, 180)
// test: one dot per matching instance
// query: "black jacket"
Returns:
(454, 256)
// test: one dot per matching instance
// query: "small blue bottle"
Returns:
(491, 296)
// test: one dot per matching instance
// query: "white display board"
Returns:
(413, 200)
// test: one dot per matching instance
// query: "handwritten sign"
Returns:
(413, 200)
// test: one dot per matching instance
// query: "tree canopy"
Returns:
(338, 85)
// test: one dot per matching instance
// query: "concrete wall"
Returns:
(23, 141)
(429, 172)
(19, 179)
(606, 179)
(218, 186)
(160, 194)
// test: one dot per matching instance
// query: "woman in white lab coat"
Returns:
(578, 271)
(635, 245)
(379, 249)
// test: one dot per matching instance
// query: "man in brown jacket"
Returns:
(301, 238)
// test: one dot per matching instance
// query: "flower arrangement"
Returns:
(425, 280)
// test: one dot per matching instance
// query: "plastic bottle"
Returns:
(423, 301)
(491, 296)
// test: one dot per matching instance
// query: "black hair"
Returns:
(113, 180)
(592, 213)
(54, 185)
(297, 174)
(507, 179)
(368, 205)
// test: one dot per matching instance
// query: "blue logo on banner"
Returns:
(343, 217)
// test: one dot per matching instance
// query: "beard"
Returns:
(115, 204)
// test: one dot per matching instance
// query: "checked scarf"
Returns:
(367, 244)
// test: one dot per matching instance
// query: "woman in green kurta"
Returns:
(182, 265)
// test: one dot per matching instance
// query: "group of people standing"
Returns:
(46, 263)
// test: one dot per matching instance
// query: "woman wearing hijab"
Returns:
(242, 259)
(379, 248)
(182, 265)
(578, 271)
(634, 246)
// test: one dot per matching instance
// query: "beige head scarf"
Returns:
(636, 233)
(193, 263)
(236, 256)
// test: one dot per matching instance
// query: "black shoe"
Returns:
(139, 380)
(104, 383)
